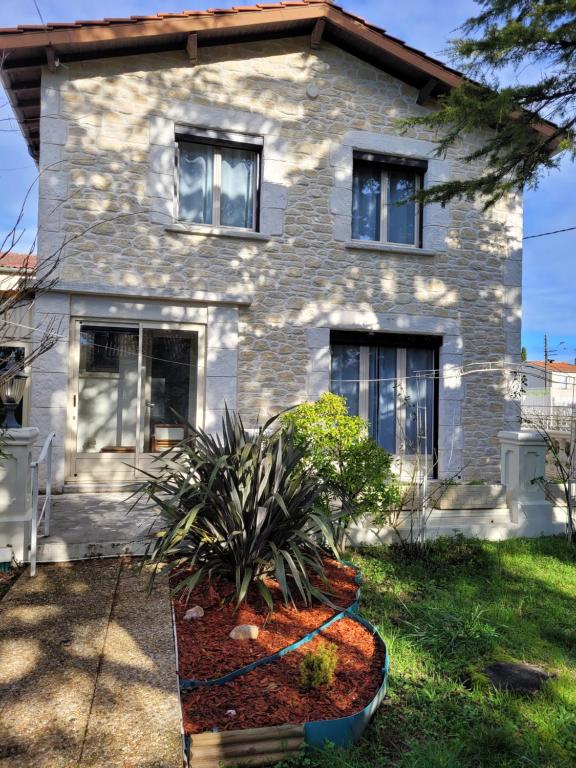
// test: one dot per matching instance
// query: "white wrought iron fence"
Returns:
(556, 418)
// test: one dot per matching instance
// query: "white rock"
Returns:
(194, 613)
(231, 713)
(245, 632)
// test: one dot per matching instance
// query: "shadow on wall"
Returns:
(302, 278)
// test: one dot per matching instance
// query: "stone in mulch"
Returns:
(194, 613)
(245, 632)
(517, 678)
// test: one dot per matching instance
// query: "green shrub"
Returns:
(318, 667)
(238, 506)
(355, 470)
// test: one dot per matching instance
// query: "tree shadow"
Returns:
(88, 676)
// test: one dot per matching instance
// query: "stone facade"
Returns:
(107, 187)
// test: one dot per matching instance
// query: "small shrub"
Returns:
(317, 668)
(338, 449)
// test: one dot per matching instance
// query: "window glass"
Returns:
(419, 401)
(196, 182)
(346, 375)
(396, 397)
(366, 202)
(107, 389)
(169, 386)
(237, 191)
(401, 216)
(382, 397)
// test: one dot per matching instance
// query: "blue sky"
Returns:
(549, 272)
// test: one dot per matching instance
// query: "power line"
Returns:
(39, 12)
(469, 369)
(552, 232)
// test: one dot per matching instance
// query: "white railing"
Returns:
(44, 516)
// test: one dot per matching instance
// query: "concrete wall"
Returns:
(107, 162)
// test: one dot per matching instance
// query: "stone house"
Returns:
(221, 188)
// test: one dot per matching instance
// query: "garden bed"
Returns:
(271, 695)
(205, 650)
(240, 698)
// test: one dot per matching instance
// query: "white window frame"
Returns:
(384, 195)
(217, 183)
(144, 459)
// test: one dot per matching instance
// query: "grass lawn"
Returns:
(444, 618)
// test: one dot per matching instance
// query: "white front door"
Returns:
(135, 389)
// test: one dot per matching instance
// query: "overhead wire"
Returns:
(470, 369)
(551, 232)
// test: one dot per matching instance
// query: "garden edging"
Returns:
(256, 746)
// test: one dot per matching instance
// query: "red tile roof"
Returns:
(554, 367)
(109, 21)
(28, 47)
(13, 260)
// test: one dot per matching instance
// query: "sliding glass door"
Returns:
(135, 393)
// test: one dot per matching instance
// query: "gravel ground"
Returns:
(87, 670)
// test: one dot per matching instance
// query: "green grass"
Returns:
(444, 618)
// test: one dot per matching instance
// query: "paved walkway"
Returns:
(87, 670)
(96, 524)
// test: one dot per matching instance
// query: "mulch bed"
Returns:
(270, 694)
(204, 649)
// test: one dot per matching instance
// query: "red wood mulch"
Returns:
(270, 694)
(205, 649)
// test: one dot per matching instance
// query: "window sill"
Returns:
(403, 250)
(207, 231)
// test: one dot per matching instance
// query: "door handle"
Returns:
(150, 405)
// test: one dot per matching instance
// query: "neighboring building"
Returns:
(16, 330)
(549, 384)
(224, 183)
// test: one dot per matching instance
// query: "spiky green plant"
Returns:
(239, 506)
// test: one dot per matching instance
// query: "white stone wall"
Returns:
(107, 187)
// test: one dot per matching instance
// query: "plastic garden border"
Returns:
(342, 731)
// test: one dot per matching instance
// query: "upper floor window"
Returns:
(218, 179)
(381, 207)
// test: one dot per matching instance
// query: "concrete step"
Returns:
(491, 532)
(463, 496)
(459, 517)
(76, 488)
(54, 549)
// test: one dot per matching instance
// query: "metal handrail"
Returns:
(44, 516)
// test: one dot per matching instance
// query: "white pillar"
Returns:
(523, 466)
(15, 491)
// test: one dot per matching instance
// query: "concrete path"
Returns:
(96, 525)
(87, 670)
